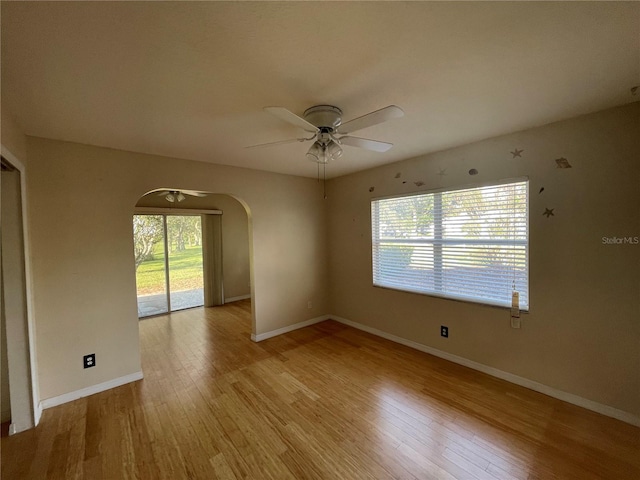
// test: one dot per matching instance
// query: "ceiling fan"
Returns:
(324, 122)
(178, 195)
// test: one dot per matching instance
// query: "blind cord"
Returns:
(513, 222)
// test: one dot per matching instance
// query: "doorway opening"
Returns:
(19, 391)
(225, 229)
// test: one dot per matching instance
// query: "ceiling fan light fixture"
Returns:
(173, 196)
(315, 152)
(320, 153)
(334, 150)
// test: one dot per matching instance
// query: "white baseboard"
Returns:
(85, 392)
(235, 299)
(494, 372)
(289, 328)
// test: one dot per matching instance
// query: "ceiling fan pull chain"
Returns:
(324, 180)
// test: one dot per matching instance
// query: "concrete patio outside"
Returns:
(156, 304)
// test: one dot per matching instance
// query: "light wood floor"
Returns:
(325, 402)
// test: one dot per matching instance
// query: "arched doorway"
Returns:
(197, 252)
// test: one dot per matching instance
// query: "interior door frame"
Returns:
(25, 421)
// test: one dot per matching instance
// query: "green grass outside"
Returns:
(185, 268)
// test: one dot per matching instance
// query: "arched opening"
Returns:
(192, 249)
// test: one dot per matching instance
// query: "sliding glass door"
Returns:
(186, 283)
(151, 273)
(168, 259)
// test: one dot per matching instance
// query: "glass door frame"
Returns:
(167, 283)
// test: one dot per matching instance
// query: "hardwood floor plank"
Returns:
(324, 402)
(470, 467)
(144, 460)
(58, 457)
(428, 468)
(221, 468)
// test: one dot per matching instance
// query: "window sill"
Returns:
(453, 299)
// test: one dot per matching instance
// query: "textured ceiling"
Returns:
(189, 80)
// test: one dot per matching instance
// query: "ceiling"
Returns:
(189, 80)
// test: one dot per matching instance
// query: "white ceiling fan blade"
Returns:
(374, 145)
(371, 119)
(281, 142)
(194, 193)
(290, 117)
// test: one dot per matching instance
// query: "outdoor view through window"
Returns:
(168, 256)
(468, 244)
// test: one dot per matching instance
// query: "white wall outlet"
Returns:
(515, 322)
(309, 304)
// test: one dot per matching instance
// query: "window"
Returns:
(467, 244)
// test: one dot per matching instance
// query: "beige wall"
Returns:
(582, 335)
(235, 248)
(12, 137)
(235, 236)
(81, 199)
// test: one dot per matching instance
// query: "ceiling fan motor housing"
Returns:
(324, 117)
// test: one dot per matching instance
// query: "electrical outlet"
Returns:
(444, 331)
(515, 322)
(89, 360)
(309, 304)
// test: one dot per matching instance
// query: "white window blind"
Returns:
(469, 244)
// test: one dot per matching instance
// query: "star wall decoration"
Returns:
(517, 153)
(563, 163)
(548, 212)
